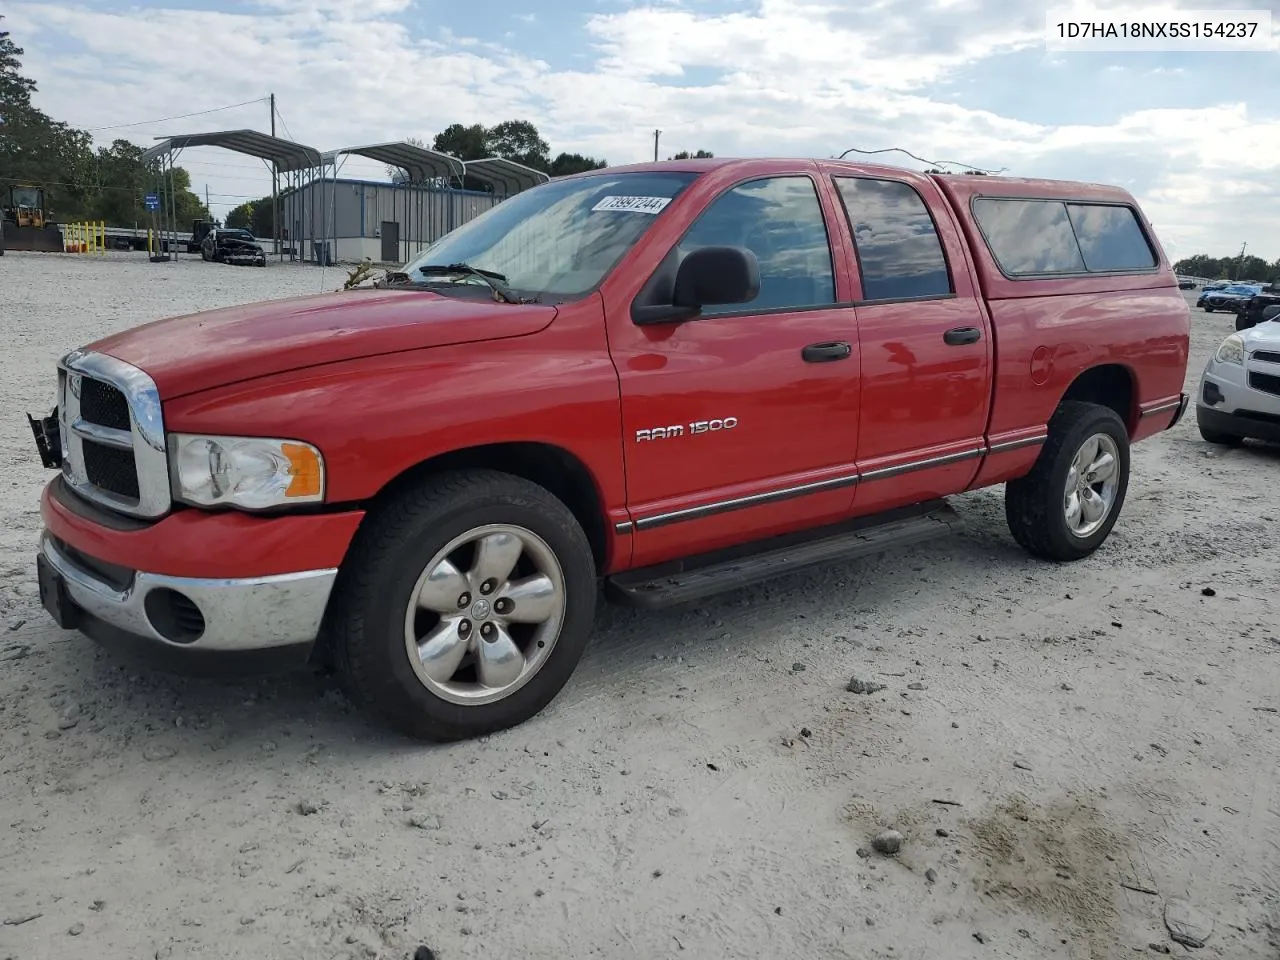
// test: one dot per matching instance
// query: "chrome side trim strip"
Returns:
(1008, 445)
(723, 506)
(914, 465)
(1162, 408)
(737, 503)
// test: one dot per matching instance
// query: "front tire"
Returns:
(1066, 506)
(464, 605)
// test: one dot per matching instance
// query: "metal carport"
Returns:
(505, 177)
(280, 155)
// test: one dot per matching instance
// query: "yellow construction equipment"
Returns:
(26, 223)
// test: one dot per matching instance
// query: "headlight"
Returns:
(1231, 351)
(252, 473)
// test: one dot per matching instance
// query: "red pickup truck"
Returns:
(671, 378)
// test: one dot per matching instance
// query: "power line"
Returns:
(931, 163)
(118, 189)
(284, 124)
(182, 116)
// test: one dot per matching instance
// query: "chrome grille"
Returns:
(113, 443)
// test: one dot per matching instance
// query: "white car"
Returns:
(1239, 393)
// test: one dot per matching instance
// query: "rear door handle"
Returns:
(958, 336)
(826, 352)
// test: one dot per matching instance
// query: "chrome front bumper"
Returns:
(246, 615)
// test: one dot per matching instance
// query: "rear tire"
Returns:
(1067, 505)
(442, 667)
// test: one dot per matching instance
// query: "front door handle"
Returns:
(958, 336)
(826, 352)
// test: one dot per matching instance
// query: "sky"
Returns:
(1195, 136)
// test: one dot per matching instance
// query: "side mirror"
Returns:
(711, 276)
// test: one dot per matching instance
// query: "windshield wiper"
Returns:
(496, 281)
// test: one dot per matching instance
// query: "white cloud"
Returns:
(789, 77)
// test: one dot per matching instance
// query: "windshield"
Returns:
(559, 239)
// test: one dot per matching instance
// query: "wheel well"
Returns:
(1111, 386)
(554, 468)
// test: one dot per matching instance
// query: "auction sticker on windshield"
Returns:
(633, 204)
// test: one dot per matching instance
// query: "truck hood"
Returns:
(192, 353)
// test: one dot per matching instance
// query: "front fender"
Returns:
(375, 418)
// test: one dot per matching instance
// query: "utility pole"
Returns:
(656, 134)
(1239, 262)
(275, 191)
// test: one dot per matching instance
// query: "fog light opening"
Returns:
(1212, 395)
(174, 615)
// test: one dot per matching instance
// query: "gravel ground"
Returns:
(1103, 737)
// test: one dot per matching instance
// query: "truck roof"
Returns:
(959, 186)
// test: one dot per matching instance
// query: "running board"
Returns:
(696, 578)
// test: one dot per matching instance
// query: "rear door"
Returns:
(925, 342)
(744, 423)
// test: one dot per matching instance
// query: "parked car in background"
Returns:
(232, 245)
(1186, 283)
(1230, 297)
(1239, 395)
(669, 379)
(1262, 306)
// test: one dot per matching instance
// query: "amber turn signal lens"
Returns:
(304, 470)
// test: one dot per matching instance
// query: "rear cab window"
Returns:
(1033, 238)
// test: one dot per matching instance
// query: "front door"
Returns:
(390, 232)
(926, 345)
(743, 423)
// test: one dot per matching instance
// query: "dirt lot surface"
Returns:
(1067, 750)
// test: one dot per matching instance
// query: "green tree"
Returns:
(15, 89)
(259, 220)
(698, 155)
(463, 142)
(254, 216)
(120, 181)
(34, 148)
(567, 163)
(78, 182)
(1234, 267)
(519, 140)
(241, 217)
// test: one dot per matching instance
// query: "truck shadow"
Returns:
(671, 648)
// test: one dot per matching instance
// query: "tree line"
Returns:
(79, 182)
(1229, 268)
